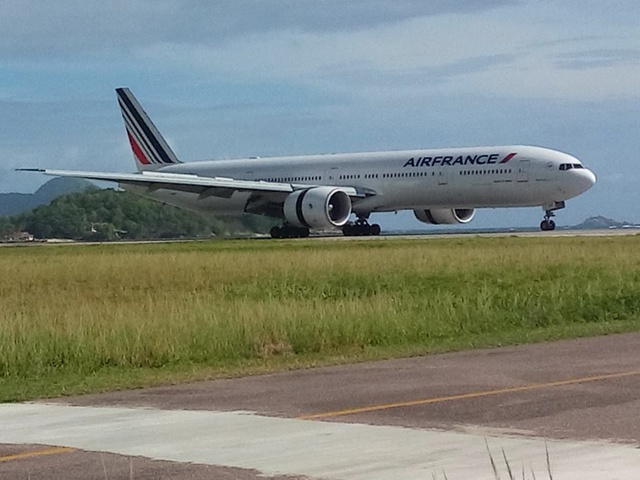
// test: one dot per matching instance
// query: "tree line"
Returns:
(106, 214)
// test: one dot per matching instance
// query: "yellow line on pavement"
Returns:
(486, 393)
(36, 453)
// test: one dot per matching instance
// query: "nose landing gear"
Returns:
(548, 224)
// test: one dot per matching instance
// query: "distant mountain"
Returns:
(593, 223)
(16, 203)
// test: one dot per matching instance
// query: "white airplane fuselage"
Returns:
(452, 178)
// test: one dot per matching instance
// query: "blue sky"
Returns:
(233, 78)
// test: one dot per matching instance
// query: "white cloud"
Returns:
(371, 48)
(85, 25)
(488, 54)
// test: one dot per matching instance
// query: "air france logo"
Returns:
(449, 160)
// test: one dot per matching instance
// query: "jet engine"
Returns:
(445, 216)
(317, 207)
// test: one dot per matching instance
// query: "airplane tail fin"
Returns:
(150, 149)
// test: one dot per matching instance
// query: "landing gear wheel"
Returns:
(289, 231)
(276, 232)
(547, 225)
(360, 229)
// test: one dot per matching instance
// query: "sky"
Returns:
(237, 78)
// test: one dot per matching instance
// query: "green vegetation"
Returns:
(87, 318)
(103, 215)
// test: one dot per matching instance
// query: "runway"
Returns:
(411, 418)
(337, 236)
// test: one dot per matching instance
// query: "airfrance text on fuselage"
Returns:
(484, 159)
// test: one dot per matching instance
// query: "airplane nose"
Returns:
(590, 178)
(585, 179)
(577, 181)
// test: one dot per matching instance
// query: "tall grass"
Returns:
(79, 311)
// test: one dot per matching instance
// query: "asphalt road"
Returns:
(509, 389)
(34, 462)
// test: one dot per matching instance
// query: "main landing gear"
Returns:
(361, 228)
(289, 231)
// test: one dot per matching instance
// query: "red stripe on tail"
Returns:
(137, 151)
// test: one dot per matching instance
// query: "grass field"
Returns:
(76, 319)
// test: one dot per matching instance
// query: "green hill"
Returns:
(17, 203)
(104, 215)
(593, 223)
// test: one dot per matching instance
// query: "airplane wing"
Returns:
(205, 186)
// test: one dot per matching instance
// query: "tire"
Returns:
(547, 225)
(276, 232)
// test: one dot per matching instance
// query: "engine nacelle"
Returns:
(445, 216)
(317, 207)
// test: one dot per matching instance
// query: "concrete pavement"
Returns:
(279, 446)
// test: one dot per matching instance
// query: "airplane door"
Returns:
(442, 177)
(523, 171)
(332, 175)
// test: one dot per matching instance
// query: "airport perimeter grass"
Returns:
(88, 318)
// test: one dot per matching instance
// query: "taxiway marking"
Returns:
(37, 453)
(462, 396)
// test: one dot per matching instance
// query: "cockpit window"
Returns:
(569, 166)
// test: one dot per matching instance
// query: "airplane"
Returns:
(322, 192)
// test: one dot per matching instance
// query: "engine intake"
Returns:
(317, 207)
(445, 216)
